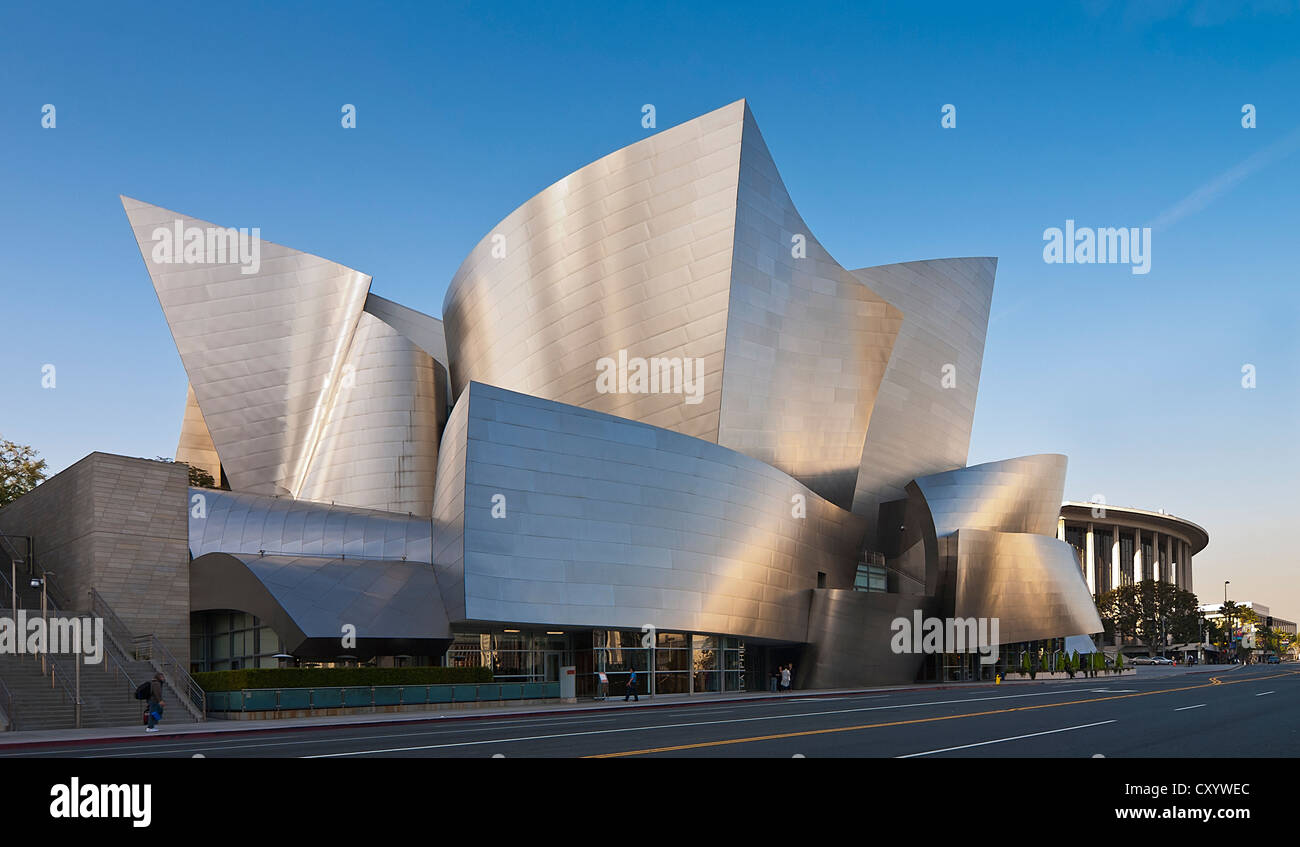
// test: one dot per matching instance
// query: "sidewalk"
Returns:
(209, 728)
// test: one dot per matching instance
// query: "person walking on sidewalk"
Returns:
(631, 687)
(156, 702)
(786, 678)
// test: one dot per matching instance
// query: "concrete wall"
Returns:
(117, 524)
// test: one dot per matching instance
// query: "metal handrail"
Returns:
(8, 700)
(68, 692)
(117, 631)
(148, 646)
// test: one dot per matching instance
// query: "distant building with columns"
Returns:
(1120, 546)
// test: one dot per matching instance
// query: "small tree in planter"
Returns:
(1072, 663)
(1042, 664)
(1027, 666)
(1119, 663)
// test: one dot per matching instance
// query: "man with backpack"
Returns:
(152, 692)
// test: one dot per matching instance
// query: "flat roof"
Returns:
(1195, 533)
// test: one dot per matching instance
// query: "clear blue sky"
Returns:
(1106, 113)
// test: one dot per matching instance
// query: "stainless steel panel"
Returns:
(807, 341)
(680, 246)
(1012, 495)
(378, 448)
(195, 446)
(849, 636)
(227, 522)
(264, 351)
(393, 606)
(1030, 583)
(921, 422)
(626, 525)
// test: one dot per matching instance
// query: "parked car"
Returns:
(1273, 660)
(1141, 660)
(1161, 660)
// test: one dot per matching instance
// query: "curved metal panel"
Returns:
(226, 522)
(379, 446)
(850, 635)
(392, 606)
(607, 522)
(1031, 583)
(679, 247)
(263, 350)
(449, 511)
(195, 447)
(807, 341)
(921, 422)
(631, 253)
(425, 332)
(1012, 495)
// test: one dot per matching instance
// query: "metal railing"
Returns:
(7, 702)
(150, 648)
(117, 631)
(377, 696)
(58, 678)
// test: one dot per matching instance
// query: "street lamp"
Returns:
(1225, 591)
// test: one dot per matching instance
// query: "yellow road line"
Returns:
(1214, 680)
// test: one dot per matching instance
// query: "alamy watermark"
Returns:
(53, 634)
(656, 375)
(946, 635)
(1108, 245)
(213, 245)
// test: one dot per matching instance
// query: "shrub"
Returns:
(331, 677)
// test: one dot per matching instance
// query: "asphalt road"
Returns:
(1248, 711)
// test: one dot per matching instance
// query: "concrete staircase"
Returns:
(107, 689)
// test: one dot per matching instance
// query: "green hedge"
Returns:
(325, 677)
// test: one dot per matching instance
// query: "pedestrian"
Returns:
(771, 682)
(786, 678)
(156, 702)
(631, 687)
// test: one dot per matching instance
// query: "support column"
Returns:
(1060, 529)
(1169, 556)
(1115, 574)
(1090, 564)
(1137, 555)
(1157, 566)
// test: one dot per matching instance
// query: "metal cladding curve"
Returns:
(921, 423)
(1012, 495)
(1030, 583)
(578, 518)
(681, 251)
(850, 637)
(226, 522)
(391, 607)
(264, 351)
(195, 447)
(379, 446)
(807, 341)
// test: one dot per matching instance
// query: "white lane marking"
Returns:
(1262, 693)
(1000, 740)
(230, 746)
(676, 725)
(1185, 708)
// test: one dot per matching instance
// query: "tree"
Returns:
(1151, 612)
(20, 471)
(199, 478)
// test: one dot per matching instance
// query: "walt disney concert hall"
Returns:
(658, 426)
